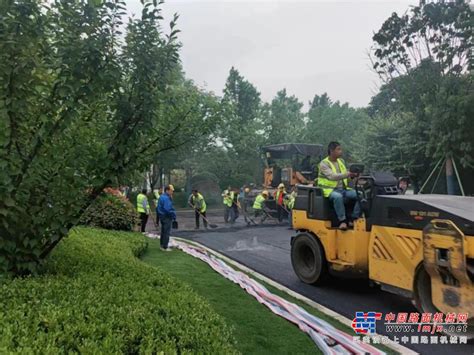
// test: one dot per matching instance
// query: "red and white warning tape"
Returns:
(328, 339)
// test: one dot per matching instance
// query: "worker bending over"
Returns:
(196, 201)
(259, 204)
(332, 179)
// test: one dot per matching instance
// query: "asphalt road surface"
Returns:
(267, 251)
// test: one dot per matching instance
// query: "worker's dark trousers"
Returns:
(165, 231)
(197, 217)
(157, 219)
(260, 213)
(227, 213)
(234, 213)
(144, 219)
(281, 212)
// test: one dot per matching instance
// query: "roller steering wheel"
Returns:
(362, 196)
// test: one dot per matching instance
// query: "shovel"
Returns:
(267, 213)
(213, 226)
(251, 220)
(247, 217)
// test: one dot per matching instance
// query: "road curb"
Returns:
(339, 317)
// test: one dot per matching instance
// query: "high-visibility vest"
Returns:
(291, 201)
(157, 197)
(329, 185)
(258, 204)
(195, 200)
(142, 204)
(277, 195)
(228, 199)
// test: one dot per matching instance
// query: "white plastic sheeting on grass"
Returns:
(329, 339)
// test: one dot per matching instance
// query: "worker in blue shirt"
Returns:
(167, 215)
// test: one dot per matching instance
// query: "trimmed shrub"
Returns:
(110, 212)
(95, 296)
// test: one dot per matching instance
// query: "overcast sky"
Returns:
(307, 47)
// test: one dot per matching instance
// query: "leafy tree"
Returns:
(406, 96)
(284, 119)
(80, 111)
(190, 156)
(438, 32)
(242, 96)
(380, 146)
(423, 59)
(240, 127)
(331, 121)
(57, 66)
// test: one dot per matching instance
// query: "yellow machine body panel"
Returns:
(445, 250)
(394, 254)
(344, 250)
(429, 260)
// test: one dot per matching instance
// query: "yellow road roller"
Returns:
(417, 246)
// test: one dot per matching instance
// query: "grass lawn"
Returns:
(255, 327)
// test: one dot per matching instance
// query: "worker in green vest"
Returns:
(289, 203)
(196, 201)
(259, 204)
(333, 180)
(228, 198)
(143, 208)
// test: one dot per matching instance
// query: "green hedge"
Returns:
(95, 296)
(110, 212)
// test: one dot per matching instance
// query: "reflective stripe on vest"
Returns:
(258, 204)
(329, 185)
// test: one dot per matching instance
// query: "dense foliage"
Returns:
(82, 107)
(95, 296)
(427, 100)
(110, 212)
